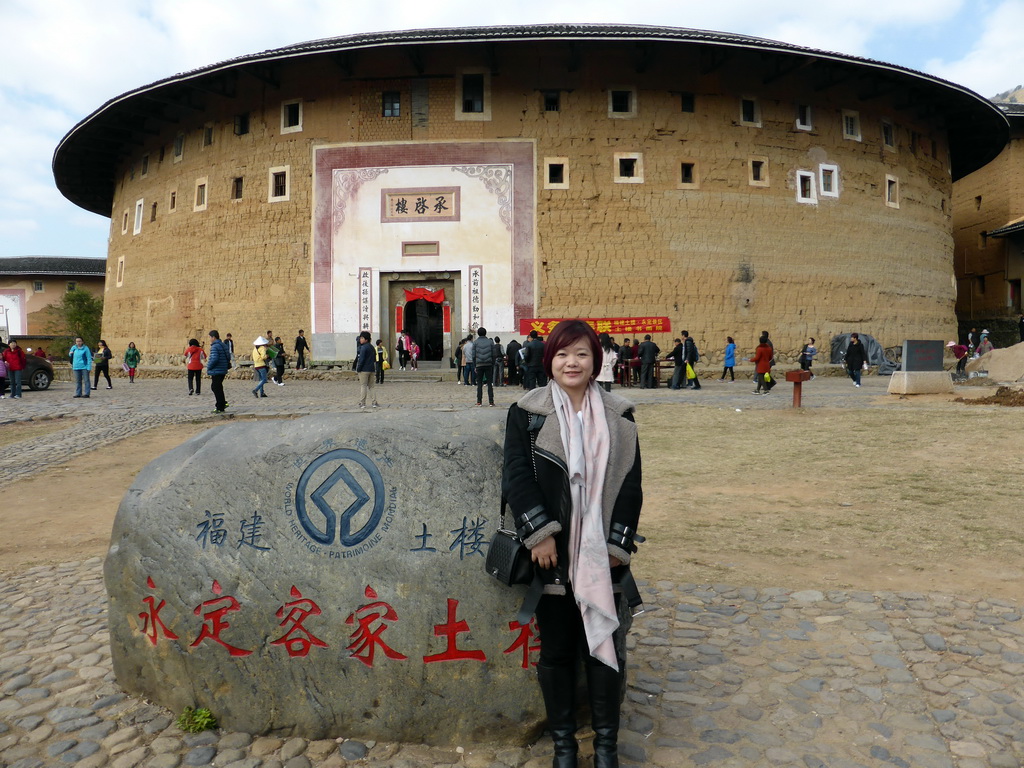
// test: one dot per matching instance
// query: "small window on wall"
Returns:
(803, 117)
(892, 191)
(629, 168)
(72, 285)
(552, 101)
(473, 100)
(241, 124)
(979, 285)
(37, 286)
(982, 241)
(124, 224)
(851, 125)
(556, 173)
(200, 199)
(758, 172)
(291, 116)
(145, 166)
(236, 188)
(207, 135)
(391, 104)
(828, 180)
(278, 182)
(688, 175)
(622, 102)
(805, 188)
(687, 102)
(888, 135)
(179, 147)
(120, 271)
(152, 212)
(172, 201)
(750, 112)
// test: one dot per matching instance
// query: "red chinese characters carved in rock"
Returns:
(527, 641)
(152, 625)
(298, 640)
(450, 630)
(373, 619)
(213, 620)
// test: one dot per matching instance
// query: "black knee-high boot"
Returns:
(605, 687)
(558, 686)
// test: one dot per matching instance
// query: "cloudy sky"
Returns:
(61, 59)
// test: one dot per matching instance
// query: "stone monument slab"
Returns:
(323, 577)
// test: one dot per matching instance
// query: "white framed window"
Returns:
(473, 94)
(851, 125)
(145, 166)
(688, 175)
(37, 286)
(139, 207)
(892, 191)
(750, 112)
(124, 222)
(828, 180)
(622, 101)
(629, 168)
(757, 171)
(179, 148)
(200, 196)
(291, 116)
(172, 200)
(120, 271)
(806, 189)
(888, 135)
(279, 184)
(556, 173)
(804, 118)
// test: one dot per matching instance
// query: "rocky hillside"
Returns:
(1013, 96)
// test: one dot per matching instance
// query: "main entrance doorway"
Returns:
(424, 322)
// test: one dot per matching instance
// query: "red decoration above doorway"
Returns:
(437, 297)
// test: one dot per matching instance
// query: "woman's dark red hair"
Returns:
(567, 333)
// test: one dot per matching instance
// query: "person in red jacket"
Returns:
(194, 357)
(763, 365)
(14, 356)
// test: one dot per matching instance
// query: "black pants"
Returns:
(300, 361)
(278, 372)
(217, 385)
(728, 369)
(534, 377)
(646, 375)
(484, 375)
(563, 639)
(197, 377)
(104, 368)
(379, 368)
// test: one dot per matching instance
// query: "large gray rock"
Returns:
(324, 577)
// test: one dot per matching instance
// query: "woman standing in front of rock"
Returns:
(572, 478)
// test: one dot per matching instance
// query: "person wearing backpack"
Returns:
(194, 357)
(691, 357)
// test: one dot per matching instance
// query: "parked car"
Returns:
(38, 372)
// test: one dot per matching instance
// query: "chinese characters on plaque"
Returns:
(420, 204)
(613, 326)
(476, 301)
(365, 298)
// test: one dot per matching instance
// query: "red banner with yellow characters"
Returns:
(613, 326)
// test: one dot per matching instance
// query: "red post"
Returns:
(798, 378)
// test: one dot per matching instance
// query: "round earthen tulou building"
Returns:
(439, 180)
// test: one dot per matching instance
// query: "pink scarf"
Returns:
(586, 443)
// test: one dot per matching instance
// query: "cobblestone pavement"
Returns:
(720, 675)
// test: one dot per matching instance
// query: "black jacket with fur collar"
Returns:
(536, 482)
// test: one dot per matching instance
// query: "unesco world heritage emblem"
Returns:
(340, 504)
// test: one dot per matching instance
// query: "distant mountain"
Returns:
(1013, 96)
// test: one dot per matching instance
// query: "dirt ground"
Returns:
(922, 498)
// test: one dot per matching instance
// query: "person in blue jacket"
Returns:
(217, 365)
(81, 363)
(730, 359)
(366, 359)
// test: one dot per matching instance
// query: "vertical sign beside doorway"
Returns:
(365, 299)
(476, 302)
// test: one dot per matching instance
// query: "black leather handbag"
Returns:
(508, 559)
